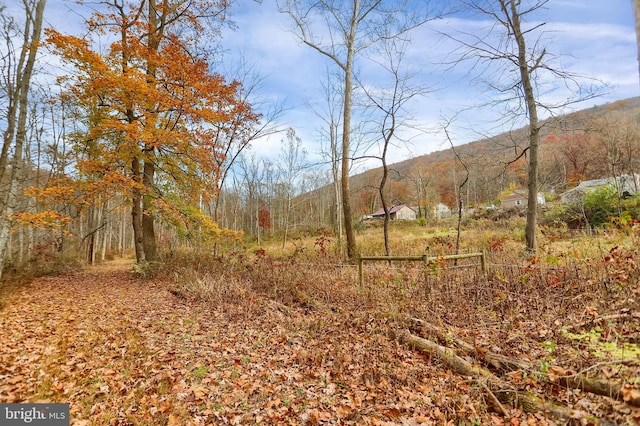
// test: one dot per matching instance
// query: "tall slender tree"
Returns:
(292, 163)
(519, 46)
(17, 71)
(330, 113)
(391, 113)
(349, 28)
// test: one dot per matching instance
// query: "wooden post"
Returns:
(425, 258)
(427, 277)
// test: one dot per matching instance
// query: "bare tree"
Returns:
(330, 115)
(461, 185)
(258, 176)
(423, 181)
(234, 137)
(293, 161)
(17, 70)
(349, 28)
(519, 47)
(391, 114)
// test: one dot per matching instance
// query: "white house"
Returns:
(515, 199)
(520, 200)
(400, 211)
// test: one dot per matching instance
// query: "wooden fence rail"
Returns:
(425, 259)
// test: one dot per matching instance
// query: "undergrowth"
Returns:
(571, 307)
(560, 282)
(521, 305)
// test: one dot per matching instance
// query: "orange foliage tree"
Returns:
(154, 112)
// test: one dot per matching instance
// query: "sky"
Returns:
(592, 38)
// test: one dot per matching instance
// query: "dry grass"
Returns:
(266, 336)
(519, 307)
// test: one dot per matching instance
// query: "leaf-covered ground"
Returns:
(125, 351)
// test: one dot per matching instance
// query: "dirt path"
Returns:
(123, 351)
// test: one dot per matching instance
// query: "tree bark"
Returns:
(525, 400)
(23, 81)
(149, 168)
(383, 200)
(148, 229)
(336, 187)
(136, 214)
(346, 139)
(534, 125)
(499, 362)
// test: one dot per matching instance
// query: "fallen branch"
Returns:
(504, 363)
(598, 320)
(499, 362)
(618, 391)
(494, 400)
(525, 400)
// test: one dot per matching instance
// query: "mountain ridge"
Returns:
(495, 155)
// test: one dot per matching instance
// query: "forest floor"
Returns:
(126, 351)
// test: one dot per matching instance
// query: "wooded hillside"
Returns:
(589, 144)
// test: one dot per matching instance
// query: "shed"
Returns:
(400, 211)
(520, 200)
(515, 199)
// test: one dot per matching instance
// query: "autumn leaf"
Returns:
(554, 372)
(630, 393)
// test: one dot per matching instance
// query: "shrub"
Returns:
(595, 210)
(600, 205)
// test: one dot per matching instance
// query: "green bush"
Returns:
(596, 209)
(631, 207)
(557, 215)
(600, 205)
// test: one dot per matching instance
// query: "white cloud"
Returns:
(593, 38)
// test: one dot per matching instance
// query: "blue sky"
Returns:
(594, 38)
(591, 38)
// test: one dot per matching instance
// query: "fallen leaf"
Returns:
(630, 394)
(554, 372)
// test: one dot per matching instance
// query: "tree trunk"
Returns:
(106, 233)
(346, 159)
(534, 127)
(122, 235)
(506, 364)
(92, 225)
(23, 80)
(336, 184)
(502, 390)
(148, 229)
(149, 167)
(136, 215)
(387, 218)
(383, 185)
(498, 362)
